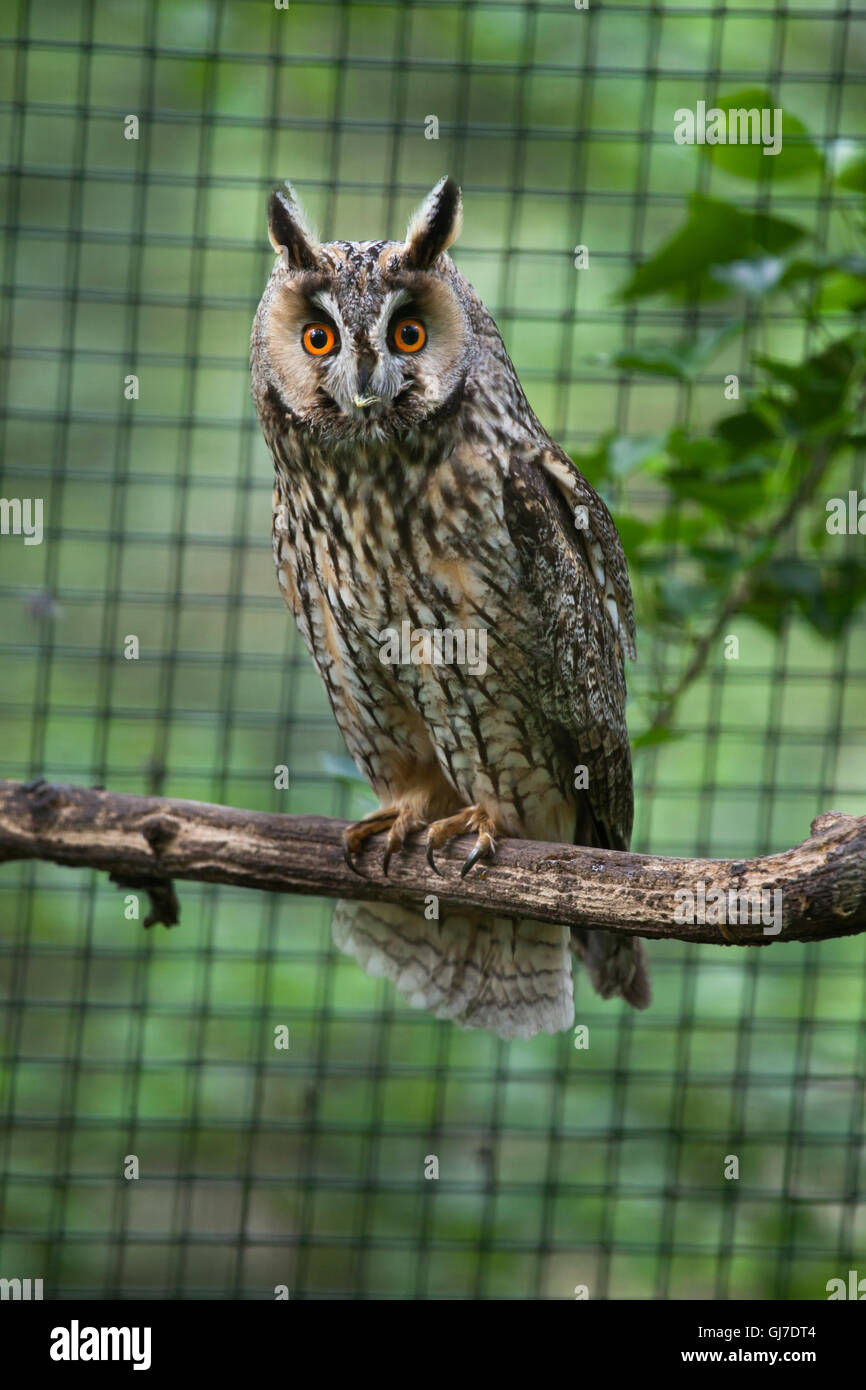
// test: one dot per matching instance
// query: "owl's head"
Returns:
(363, 340)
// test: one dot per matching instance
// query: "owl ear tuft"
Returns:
(289, 232)
(435, 225)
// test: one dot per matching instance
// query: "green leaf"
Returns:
(654, 359)
(745, 431)
(818, 386)
(840, 280)
(629, 452)
(794, 578)
(854, 177)
(684, 598)
(715, 233)
(684, 362)
(797, 156)
(707, 454)
(736, 494)
(827, 596)
(691, 531)
(618, 455)
(720, 561)
(842, 292)
(814, 267)
(843, 590)
(848, 163)
(651, 738)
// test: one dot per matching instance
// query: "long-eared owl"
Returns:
(463, 593)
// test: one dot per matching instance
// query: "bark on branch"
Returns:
(148, 842)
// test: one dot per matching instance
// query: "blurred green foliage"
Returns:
(747, 485)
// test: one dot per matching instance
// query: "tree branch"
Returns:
(147, 842)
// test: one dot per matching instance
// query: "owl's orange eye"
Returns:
(410, 335)
(319, 339)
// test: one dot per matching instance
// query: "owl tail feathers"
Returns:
(615, 964)
(510, 976)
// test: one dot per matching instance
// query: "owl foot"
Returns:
(473, 818)
(399, 822)
(372, 824)
(406, 822)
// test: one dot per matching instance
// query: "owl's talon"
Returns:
(431, 861)
(398, 821)
(473, 858)
(485, 847)
(347, 855)
(471, 818)
(372, 824)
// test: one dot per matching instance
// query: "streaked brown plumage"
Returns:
(415, 485)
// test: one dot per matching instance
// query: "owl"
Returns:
(463, 593)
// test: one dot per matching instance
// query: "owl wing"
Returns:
(574, 572)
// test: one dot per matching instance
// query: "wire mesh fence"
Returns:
(140, 146)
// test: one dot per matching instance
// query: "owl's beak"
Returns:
(366, 367)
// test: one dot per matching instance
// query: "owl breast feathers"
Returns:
(463, 593)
